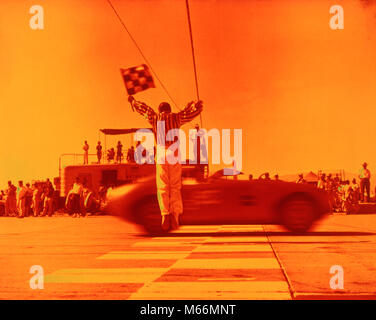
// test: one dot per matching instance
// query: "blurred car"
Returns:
(223, 199)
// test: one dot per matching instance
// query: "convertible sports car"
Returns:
(222, 199)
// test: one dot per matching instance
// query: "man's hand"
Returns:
(131, 99)
(189, 104)
(199, 104)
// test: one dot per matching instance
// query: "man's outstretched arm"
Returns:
(191, 111)
(142, 108)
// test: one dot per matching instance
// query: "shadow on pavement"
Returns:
(262, 234)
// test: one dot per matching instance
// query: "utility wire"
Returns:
(193, 53)
(139, 49)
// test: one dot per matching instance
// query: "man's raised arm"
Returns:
(191, 111)
(142, 108)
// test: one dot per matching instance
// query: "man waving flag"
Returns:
(168, 175)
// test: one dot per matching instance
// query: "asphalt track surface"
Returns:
(102, 257)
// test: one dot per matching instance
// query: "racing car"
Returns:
(224, 199)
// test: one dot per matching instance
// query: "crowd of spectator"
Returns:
(25, 200)
(344, 195)
(81, 199)
(40, 199)
(117, 154)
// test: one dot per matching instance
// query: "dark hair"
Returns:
(164, 107)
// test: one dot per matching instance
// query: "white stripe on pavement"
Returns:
(108, 275)
(213, 290)
(233, 248)
(144, 255)
(237, 239)
(246, 263)
(165, 244)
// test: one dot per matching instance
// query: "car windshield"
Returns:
(227, 174)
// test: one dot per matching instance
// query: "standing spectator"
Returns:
(344, 190)
(28, 200)
(102, 196)
(365, 176)
(130, 155)
(250, 177)
(199, 145)
(276, 177)
(76, 197)
(330, 189)
(321, 182)
(86, 152)
(49, 183)
(99, 151)
(300, 179)
(85, 199)
(119, 152)
(265, 176)
(37, 199)
(11, 200)
(355, 188)
(48, 199)
(21, 199)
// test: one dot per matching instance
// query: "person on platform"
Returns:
(119, 152)
(137, 154)
(168, 175)
(200, 152)
(86, 152)
(130, 155)
(111, 155)
(99, 152)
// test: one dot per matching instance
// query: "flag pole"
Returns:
(193, 54)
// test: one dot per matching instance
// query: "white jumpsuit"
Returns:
(169, 188)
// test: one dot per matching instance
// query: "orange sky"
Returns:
(303, 94)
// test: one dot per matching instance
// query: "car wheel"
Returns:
(298, 214)
(151, 217)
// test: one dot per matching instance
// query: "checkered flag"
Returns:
(137, 79)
